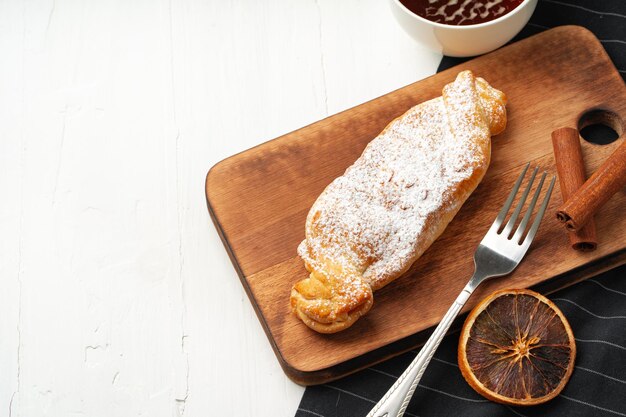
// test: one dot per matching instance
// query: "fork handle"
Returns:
(396, 400)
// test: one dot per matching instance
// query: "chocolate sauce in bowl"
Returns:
(461, 12)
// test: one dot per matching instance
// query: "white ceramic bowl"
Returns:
(462, 41)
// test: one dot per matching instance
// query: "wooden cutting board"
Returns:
(259, 200)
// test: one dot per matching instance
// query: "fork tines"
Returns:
(519, 232)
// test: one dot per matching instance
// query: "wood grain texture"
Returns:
(114, 289)
(259, 199)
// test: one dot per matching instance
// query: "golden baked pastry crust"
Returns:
(371, 224)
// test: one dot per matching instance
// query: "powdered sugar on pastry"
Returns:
(373, 222)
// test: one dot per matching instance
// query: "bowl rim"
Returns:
(464, 27)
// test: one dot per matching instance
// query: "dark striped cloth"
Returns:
(596, 308)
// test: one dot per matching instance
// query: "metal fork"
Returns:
(498, 254)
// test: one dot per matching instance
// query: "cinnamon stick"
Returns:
(570, 168)
(597, 190)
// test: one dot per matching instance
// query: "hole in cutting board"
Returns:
(600, 126)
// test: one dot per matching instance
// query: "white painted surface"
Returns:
(118, 298)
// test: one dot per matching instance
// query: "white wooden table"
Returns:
(118, 298)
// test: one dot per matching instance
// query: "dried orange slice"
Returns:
(517, 348)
